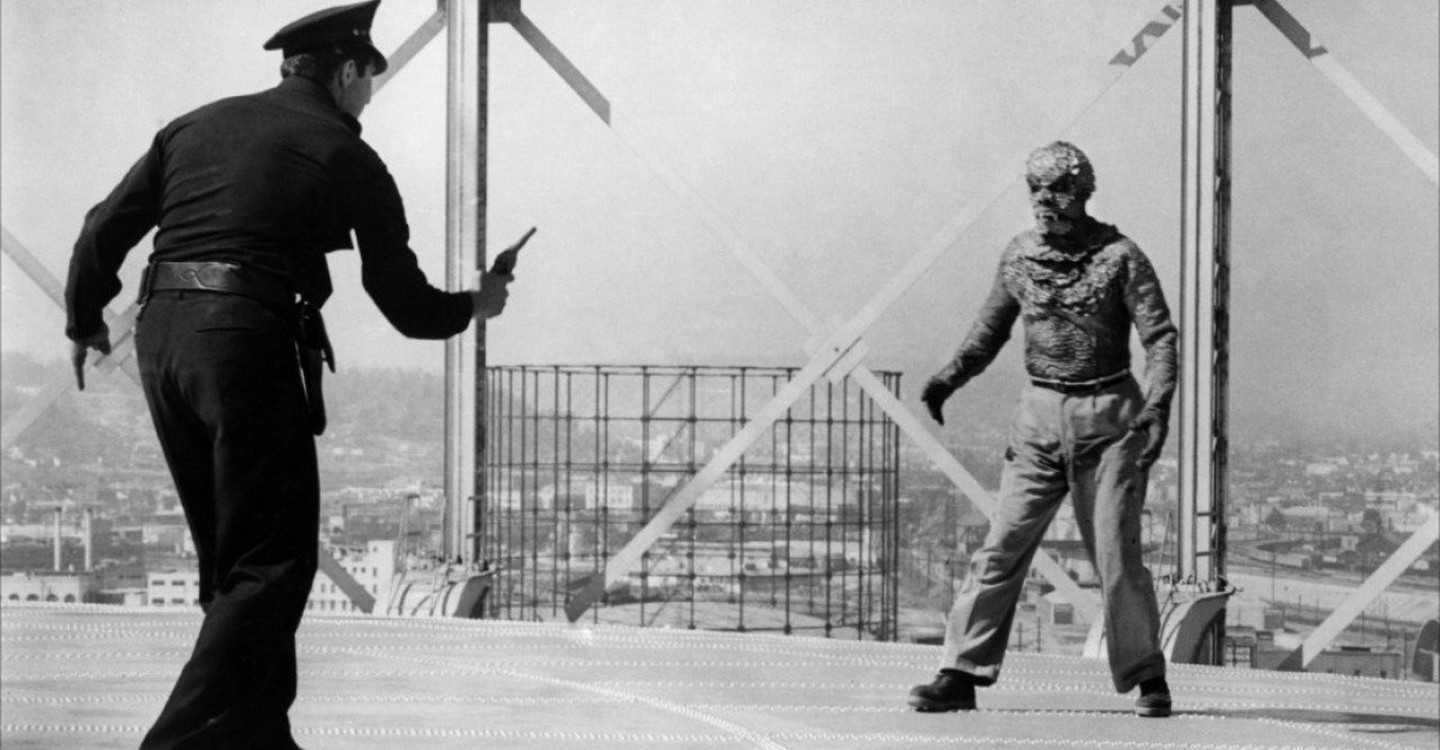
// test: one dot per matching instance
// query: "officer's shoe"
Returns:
(1154, 700)
(952, 690)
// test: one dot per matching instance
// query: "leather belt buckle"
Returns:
(211, 276)
(218, 276)
(1088, 386)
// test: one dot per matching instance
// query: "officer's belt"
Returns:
(272, 290)
(1081, 386)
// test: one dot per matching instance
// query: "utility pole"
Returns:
(1272, 574)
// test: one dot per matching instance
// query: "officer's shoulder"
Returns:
(215, 108)
(239, 105)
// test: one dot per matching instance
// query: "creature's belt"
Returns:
(274, 291)
(1081, 386)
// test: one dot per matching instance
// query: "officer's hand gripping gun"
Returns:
(505, 260)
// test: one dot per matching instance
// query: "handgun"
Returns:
(505, 260)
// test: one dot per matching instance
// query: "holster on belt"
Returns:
(313, 346)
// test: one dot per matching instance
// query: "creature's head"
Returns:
(1061, 180)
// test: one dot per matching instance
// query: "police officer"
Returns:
(1084, 427)
(248, 194)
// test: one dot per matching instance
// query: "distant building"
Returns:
(1409, 522)
(167, 531)
(13, 532)
(371, 565)
(563, 500)
(1055, 609)
(617, 494)
(134, 596)
(1319, 518)
(174, 588)
(31, 586)
(369, 521)
(1240, 645)
(1391, 501)
(513, 498)
(1358, 661)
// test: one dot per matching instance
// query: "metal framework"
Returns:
(1204, 299)
(837, 350)
(468, 42)
(1367, 592)
(798, 535)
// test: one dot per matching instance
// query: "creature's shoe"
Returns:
(1154, 700)
(951, 691)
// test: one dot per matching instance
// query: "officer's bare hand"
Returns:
(79, 349)
(934, 395)
(490, 298)
(1155, 426)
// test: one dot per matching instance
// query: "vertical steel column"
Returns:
(477, 168)
(88, 530)
(467, 47)
(1220, 309)
(1204, 288)
(59, 541)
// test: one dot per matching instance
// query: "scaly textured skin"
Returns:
(1078, 295)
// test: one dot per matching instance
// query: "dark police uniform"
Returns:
(248, 194)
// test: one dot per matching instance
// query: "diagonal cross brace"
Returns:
(1414, 149)
(353, 589)
(412, 45)
(32, 267)
(1366, 593)
(50, 284)
(58, 377)
(58, 380)
(830, 355)
(682, 500)
(560, 63)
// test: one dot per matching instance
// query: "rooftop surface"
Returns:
(86, 676)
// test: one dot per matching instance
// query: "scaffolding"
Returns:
(798, 536)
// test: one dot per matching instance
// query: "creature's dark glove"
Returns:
(1156, 425)
(934, 395)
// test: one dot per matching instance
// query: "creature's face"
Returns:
(1060, 180)
(1057, 205)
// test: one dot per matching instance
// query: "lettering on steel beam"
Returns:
(1151, 31)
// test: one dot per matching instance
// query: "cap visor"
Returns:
(378, 59)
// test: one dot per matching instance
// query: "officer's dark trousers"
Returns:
(221, 380)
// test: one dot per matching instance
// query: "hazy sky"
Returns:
(837, 138)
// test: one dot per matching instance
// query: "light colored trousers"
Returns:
(1059, 443)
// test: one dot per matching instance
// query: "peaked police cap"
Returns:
(338, 27)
